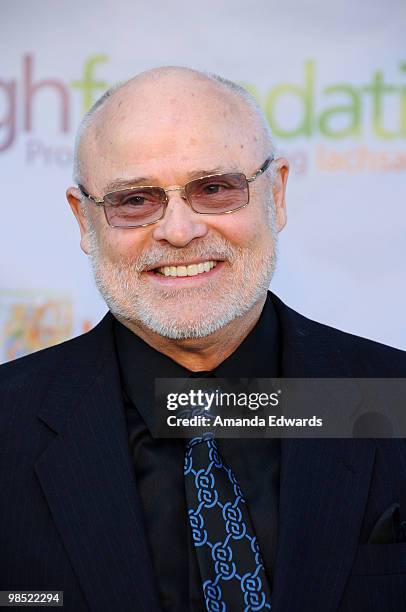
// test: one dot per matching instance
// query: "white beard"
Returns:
(192, 312)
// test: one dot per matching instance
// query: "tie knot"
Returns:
(202, 408)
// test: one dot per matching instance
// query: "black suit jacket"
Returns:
(70, 514)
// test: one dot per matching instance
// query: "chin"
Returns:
(196, 325)
(182, 329)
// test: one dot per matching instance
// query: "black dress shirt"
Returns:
(158, 463)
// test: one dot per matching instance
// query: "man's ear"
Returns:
(74, 198)
(279, 191)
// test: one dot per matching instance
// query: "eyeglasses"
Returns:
(214, 194)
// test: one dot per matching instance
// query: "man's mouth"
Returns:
(190, 270)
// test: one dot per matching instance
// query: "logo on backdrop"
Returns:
(33, 320)
(328, 116)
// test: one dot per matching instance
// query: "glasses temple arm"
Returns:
(88, 196)
(262, 169)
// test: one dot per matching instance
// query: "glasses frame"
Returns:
(182, 190)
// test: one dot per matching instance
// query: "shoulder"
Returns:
(365, 357)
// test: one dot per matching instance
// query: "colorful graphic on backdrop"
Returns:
(30, 321)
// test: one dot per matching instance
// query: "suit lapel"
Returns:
(87, 477)
(323, 489)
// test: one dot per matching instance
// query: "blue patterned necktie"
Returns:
(228, 554)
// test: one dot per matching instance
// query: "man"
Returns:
(93, 504)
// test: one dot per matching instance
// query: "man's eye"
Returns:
(213, 188)
(135, 200)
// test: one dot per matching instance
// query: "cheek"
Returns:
(246, 228)
(119, 244)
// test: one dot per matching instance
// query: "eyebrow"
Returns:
(122, 183)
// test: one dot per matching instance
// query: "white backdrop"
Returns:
(331, 77)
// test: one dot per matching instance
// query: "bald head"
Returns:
(180, 104)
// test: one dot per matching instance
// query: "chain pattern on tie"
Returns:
(225, 544)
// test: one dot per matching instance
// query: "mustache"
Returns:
(218, 249)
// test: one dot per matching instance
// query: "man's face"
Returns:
(167, 145)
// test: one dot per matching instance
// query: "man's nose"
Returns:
(180, 223)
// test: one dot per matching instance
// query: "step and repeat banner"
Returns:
(331, 79)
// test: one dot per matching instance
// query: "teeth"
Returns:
(190, 270)
(181, 271)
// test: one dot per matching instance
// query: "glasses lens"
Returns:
(218, 194)
(134, 207)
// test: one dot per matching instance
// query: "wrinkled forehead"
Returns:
(170, 121)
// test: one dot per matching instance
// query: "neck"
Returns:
(197, 354)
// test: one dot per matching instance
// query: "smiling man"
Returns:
(179, 200)
(168, 129)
